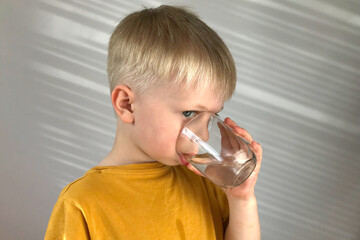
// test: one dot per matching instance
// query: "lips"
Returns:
(183, 160)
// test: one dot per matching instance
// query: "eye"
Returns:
(189, 114)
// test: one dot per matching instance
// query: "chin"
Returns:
(173, 163)
(170, 162)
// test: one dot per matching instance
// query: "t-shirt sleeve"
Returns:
(66, 222)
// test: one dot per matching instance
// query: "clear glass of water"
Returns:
(213, 149)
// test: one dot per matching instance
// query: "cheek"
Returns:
(185, 146)
(158, 135)
(167, 137)
(167, 142)
(157, 130)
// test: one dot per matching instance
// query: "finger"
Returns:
(258, 151)
(238, 130)
(232, 138)
(229, 142)
(225, 144)
(193, 169)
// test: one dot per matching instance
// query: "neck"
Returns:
(124, 150)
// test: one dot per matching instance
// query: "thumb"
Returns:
(193, 169)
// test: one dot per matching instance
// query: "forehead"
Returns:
(193, 98)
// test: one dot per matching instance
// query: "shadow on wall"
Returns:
(298, 93)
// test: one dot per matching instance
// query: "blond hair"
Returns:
(169, 45)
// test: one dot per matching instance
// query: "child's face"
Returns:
(159, 119)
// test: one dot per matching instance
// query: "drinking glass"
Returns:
(216, 151)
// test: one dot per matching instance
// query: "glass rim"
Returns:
(211, 119)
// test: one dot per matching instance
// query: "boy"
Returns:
(165, 66)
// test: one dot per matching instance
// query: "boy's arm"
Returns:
(244, 218)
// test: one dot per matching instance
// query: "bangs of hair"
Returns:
(169, 46)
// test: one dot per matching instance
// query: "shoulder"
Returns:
(80, 190)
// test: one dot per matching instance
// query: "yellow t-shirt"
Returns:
(140, 201)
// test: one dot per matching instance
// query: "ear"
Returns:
(122, 98)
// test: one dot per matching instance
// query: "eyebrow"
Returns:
(204, 107)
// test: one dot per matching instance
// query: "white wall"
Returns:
(298, 94)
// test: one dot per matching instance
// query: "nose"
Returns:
(195, 132)
(199, 126)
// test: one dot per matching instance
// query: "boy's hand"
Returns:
(246, 190)
(192, 168)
